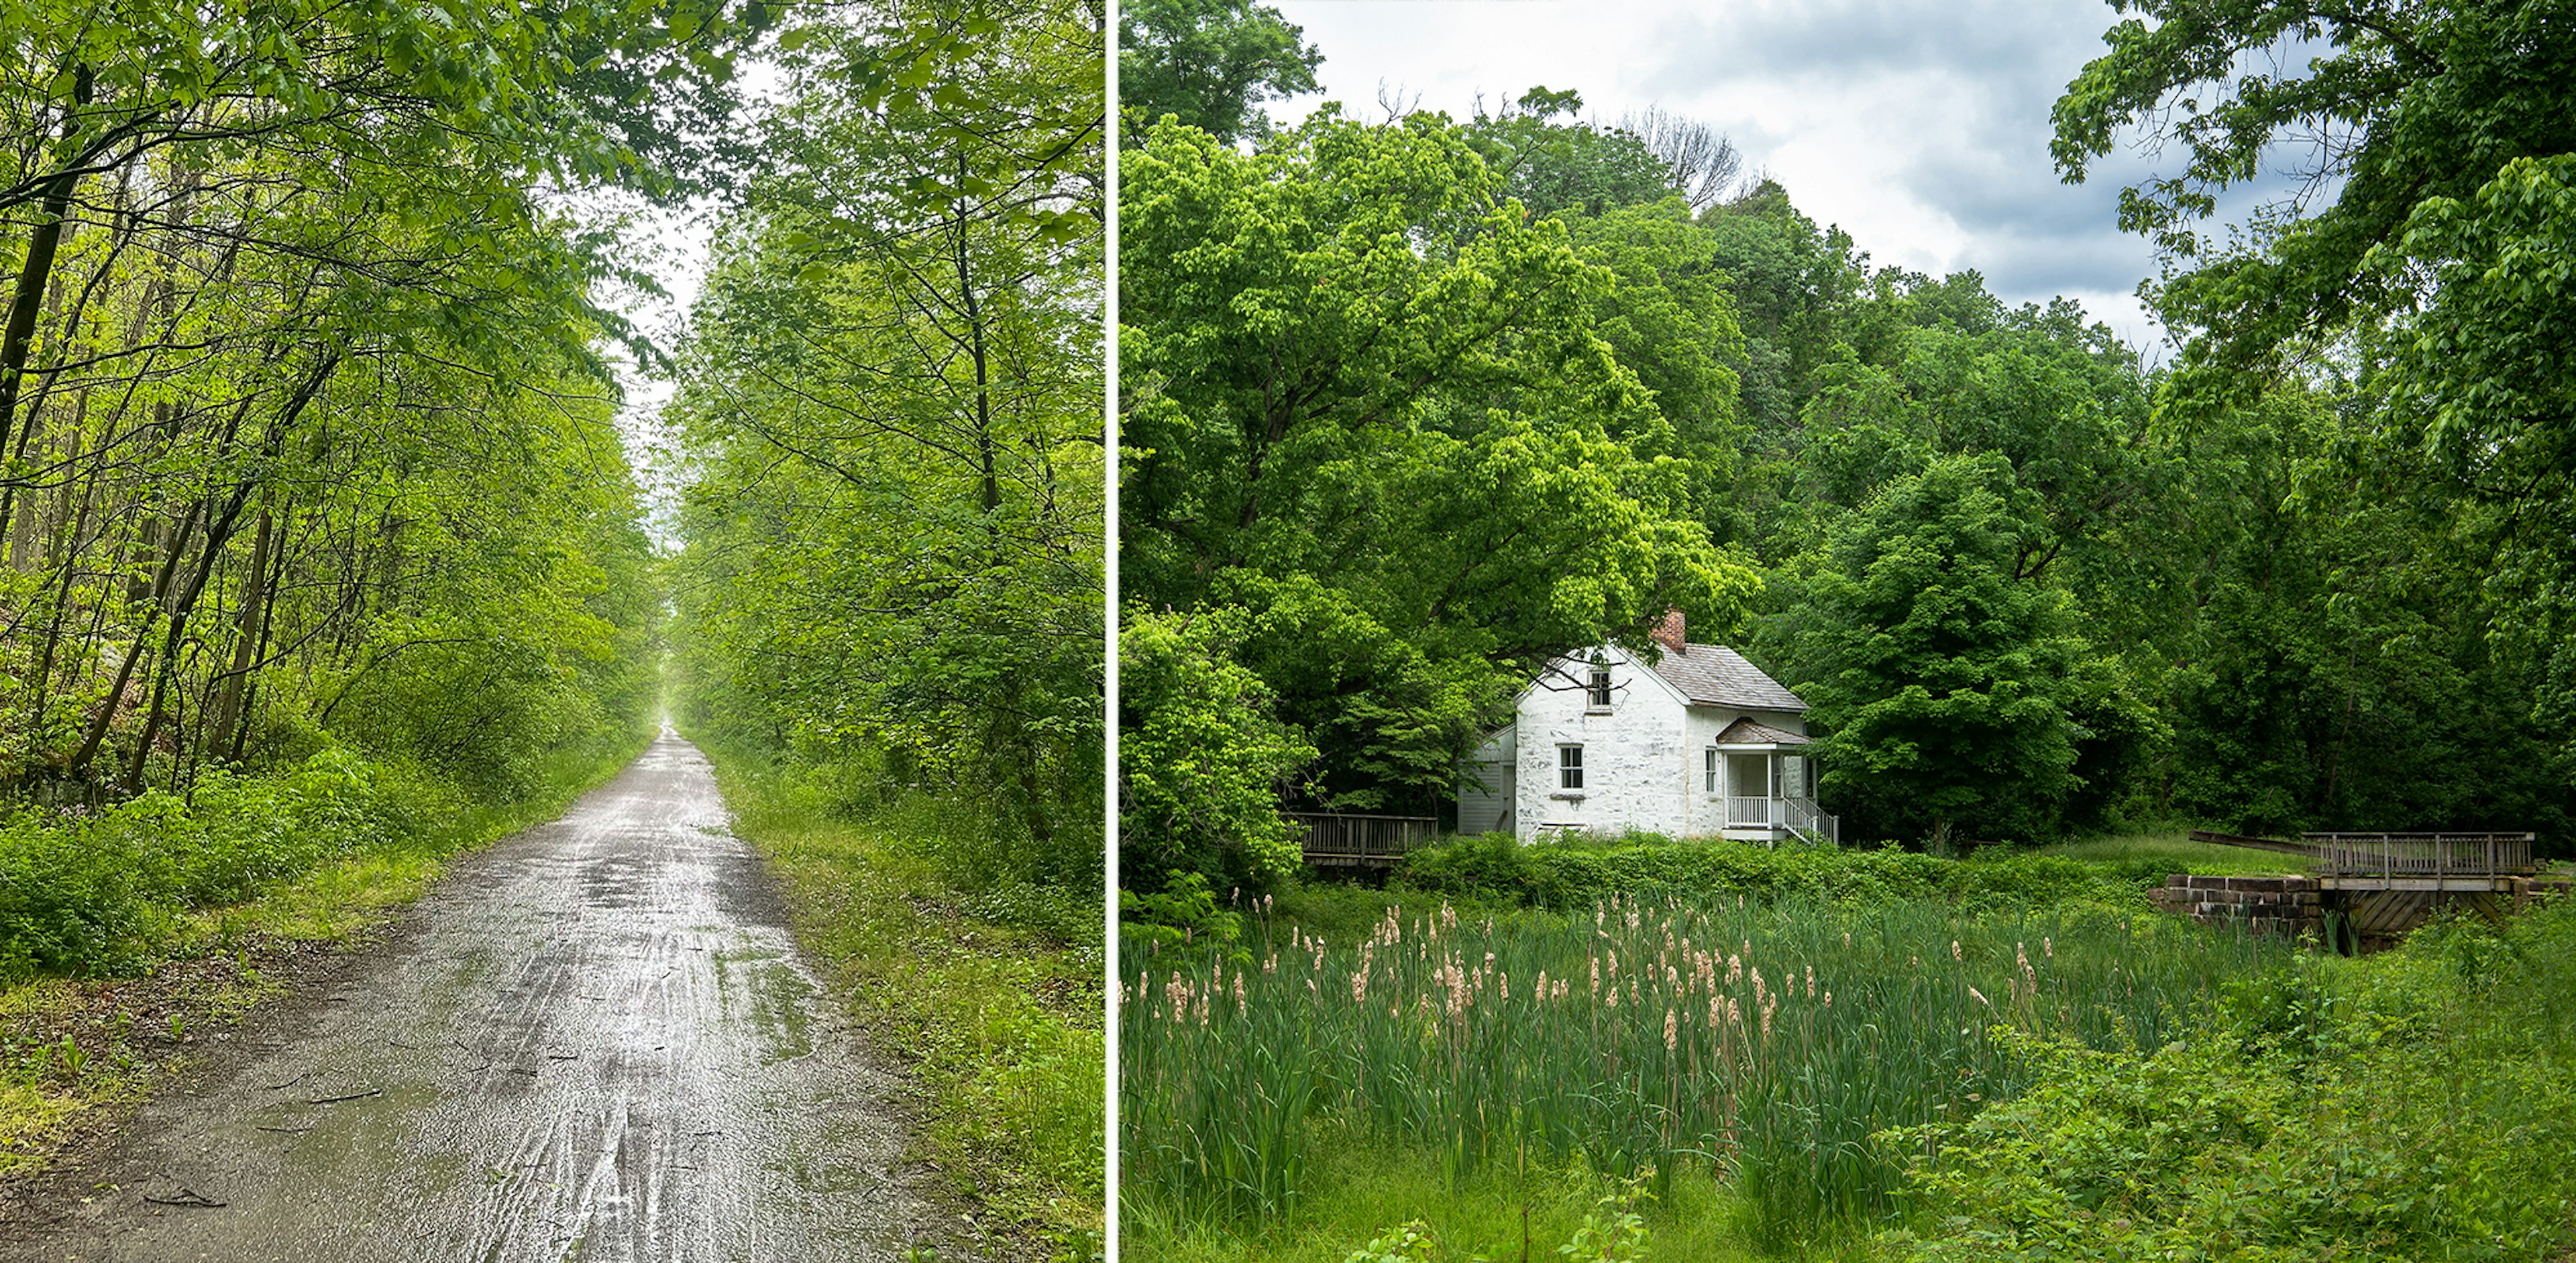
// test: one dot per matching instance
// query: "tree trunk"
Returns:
(36, 273)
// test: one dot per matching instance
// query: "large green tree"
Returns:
(1942, 679)
(2432, 266)
(1208, 63)
(1365, 403)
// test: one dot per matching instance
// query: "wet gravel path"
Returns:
(597, 1044)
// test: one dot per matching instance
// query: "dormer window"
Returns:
(1597, 691)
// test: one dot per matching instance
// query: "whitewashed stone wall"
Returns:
(1633, 755)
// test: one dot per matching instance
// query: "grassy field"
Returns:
(2174, 847)
(78, 1050)
(990, 999)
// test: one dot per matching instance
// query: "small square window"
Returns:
(1598, 690)
(1569, 767)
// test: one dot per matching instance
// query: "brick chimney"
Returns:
(1668, 632)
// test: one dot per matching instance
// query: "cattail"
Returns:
(1596, 976)
(1981, 996)
(1734, 970)
(2048, 948)
(1359, 986)
(1672, 1030)
(1811, 982)
(1954, 951)
(1846, 939)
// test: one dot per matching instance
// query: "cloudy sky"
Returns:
(1920, 126)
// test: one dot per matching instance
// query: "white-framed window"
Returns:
(1596, 691)
(1708, 771)
(1569, 767)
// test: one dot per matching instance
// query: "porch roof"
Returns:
(1746, 732)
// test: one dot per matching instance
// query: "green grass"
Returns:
(1364, 1187)
(193, 970)
(999, 1024)
(2174, 846)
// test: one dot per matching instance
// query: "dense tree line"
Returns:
(304, 433)
(1411, 407)
(890, 415)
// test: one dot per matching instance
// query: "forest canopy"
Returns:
(1411, 407)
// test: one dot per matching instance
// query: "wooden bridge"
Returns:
(2370, 888)
(1366, 842)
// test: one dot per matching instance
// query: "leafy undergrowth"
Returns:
(2414, 1105)
(992, 998)
(155, 978)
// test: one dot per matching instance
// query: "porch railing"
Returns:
(1800, 816)
(1803, 817)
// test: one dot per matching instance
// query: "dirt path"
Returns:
(598, 1043)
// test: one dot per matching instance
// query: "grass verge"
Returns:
(78, 1052)
(1364, 1188)
(996, 1020)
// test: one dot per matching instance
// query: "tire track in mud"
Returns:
(599, 1044)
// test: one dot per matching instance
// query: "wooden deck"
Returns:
(2464, 862)
(1357, 841)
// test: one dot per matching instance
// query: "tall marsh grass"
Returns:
(1768, 1043)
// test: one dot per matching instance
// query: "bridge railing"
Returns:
(1334, 838)
(2422, 854)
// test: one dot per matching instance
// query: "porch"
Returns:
(1763, 782)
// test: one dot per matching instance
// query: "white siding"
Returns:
(1489, 809)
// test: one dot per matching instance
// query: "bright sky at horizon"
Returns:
(1921, 127)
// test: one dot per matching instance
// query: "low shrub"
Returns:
(78, 888)
(1572, 876)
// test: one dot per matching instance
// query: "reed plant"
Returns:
(1768, 1043)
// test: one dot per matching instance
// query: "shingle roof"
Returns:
(1748, 733)
(1714, 675)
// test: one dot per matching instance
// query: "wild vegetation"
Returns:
(889, 620)
(1954, 1079)
(1413, 404)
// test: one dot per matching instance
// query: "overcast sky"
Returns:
(1920, 126)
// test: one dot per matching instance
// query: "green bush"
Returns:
(1572, 876)
(76, 887)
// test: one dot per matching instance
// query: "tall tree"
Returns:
(1209, 63)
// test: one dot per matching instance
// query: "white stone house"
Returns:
(1697, 743)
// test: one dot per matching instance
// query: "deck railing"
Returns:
(2422, 854)
(1800, 816)
(1348, 839)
